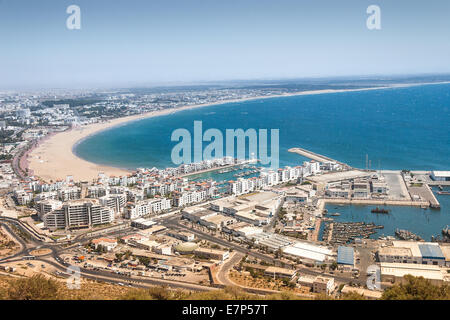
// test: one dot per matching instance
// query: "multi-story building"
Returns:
(78, 214)
(114, 201)
(69, 193)
(146, 207)
(45, 206)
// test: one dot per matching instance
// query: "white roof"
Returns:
(304, 253)
(441, 173)
(308, 251)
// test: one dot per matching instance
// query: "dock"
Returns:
(314, 156)
(381, 202)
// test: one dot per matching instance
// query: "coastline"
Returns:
(53, 158)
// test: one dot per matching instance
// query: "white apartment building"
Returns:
(23, 197)
(45, 206)
(186, 198)
(78, 214)
(114, 201)
(146, 207)
(69, 193)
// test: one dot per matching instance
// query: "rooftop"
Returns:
(346, 255)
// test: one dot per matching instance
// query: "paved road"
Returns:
(173, 223)
(222, 274)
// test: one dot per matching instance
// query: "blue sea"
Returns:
(398, 128)
(404, 128)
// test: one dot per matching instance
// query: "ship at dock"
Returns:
(446, 233)
(407, 235)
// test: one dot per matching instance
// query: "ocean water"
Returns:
(423, 222)
(403, 128)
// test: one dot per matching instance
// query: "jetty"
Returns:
(315, 156)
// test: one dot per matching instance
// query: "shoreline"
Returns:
(53, 157)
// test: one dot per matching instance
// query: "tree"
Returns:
(334, 265)
(416, 288)
(35, 288)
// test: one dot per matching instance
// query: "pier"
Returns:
(381, 202)
(314, 156)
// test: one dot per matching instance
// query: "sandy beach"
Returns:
(53, 158)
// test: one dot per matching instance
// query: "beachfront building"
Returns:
(78, 214)
(97, 191)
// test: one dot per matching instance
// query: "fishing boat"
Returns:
(336, 214)
(379, 210)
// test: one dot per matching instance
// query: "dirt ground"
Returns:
(7, 245)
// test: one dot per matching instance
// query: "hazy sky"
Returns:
(143, 42)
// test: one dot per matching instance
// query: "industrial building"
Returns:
(142, 223)
(395, 272)
(212, 254)
(309, 252)
(440, 175)
(413, 252)
(346, 257)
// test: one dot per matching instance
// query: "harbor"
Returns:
(426, 223)
(315, 156)
(341, 233)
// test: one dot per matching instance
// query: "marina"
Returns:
(425, 223)
(346, 232)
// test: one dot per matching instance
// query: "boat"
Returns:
(444, 192)
(379, 210)
(446, 232)
(336, 214)
(407, 235)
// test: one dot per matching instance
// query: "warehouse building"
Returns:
(308, 252)
(395, 272)
(346, 257)
(440, 175)
(412, 252)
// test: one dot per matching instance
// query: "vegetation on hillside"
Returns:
(39, 287)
